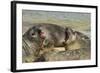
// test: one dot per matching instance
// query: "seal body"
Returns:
(46, 34)
(50, 32)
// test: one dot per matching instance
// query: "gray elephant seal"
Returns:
(51, 32)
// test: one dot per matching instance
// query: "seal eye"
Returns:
(32, 33)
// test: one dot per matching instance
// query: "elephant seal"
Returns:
(49, 32)
(75, 40)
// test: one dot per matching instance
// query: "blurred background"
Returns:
(75, 20)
